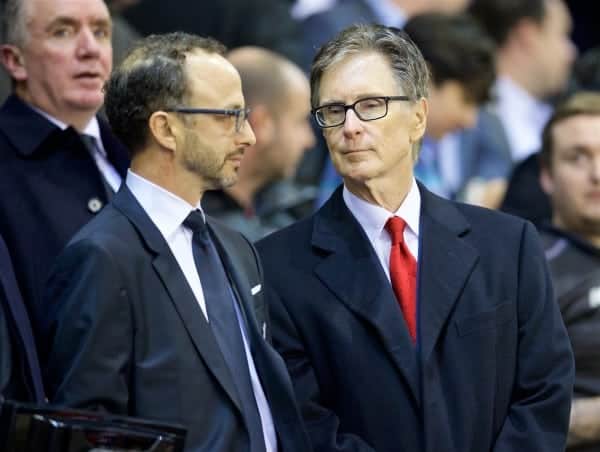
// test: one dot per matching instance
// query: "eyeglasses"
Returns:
(240, 114)
(367, 109)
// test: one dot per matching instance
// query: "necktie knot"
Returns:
(89, 142)
(195, 222)
(395, 228)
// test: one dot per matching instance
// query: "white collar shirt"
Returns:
(522, 116)
(372, 219)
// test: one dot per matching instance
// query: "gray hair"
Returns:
(14, 22)
(405, 59)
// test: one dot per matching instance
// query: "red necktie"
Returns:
(403, 274)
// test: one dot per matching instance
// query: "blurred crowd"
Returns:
(513, 125)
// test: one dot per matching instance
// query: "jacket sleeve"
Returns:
(538, 416)
(88, 331)
(5, 350)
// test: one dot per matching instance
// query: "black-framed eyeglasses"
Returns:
(240, 114)
(366, 109)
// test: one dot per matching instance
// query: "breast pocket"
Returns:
(492, 319)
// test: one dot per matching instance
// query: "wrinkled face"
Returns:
(209, 146)
(450, 109)
(292, 129)
(368, 151)
(573, 179)
(66, 57)
(553, 51)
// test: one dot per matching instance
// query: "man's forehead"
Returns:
(367, 72)
(48, 11)
(211, 76)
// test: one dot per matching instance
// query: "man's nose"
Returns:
(88, 43)
(352, 124)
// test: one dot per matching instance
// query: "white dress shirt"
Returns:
(522, 116)
(373, 218)
(110, 174)
(168, 212)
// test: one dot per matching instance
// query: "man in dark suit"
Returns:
(20, 376)
(137, 323)
(408, 322)
(58, 54)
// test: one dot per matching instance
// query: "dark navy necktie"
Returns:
(92, 147)
(219, 299)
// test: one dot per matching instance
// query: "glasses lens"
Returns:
(331, 115)
(372, 108)
(240, 118)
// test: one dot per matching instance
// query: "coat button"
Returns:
(94, 205)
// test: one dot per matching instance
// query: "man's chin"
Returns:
(86, 101)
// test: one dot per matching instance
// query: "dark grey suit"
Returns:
(127, 334)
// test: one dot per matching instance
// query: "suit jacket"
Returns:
(50, 187)
(20, 376)
(492, 369)
(129, 337)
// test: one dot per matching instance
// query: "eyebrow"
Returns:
(358, 97)
(66, 20)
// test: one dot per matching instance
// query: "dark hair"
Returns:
(581, 103)
(405, 59)
(150, 78)
(499, 17)
(456, 48)
(13, 22)
(586, 71)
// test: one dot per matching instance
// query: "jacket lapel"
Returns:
(179, 291)
(351, 270)
(239, 283)
(445, 262)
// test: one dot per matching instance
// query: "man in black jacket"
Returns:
(60, 163)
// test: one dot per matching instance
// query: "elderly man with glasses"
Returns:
(154, 309)
(408, 322)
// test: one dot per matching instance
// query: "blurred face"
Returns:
(366, 152)
(553, 50)
(451, 6)
(293, 132)
(573, 179)
(66, 58)
(208, 145)
(450, 109)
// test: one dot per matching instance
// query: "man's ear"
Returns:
(163, 129)
(13, 61)
(420, 108)
(262, 123)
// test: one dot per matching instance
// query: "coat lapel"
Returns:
(445, 262)
(179, 291)
(351, 270)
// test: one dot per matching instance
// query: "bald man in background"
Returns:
(264, 198)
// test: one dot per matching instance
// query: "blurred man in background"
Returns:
(570, 175)
(264, 198)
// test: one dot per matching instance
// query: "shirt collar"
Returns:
(166, 210)
(522, 115)
(517, 97)
(387, 13)
(373, 218)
